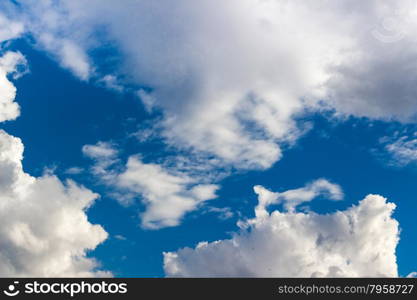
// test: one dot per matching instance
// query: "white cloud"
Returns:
(54, 31)
(104, 155)
(231, 77)
(402, 149)
(74, 171)
(168, 194)
(100, 150)
(71, 56)
(9, 29)
(44, 230)
(292, 198)
(9, 63)
(228, 76)
(357, 242)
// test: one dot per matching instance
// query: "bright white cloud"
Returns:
(70, 55)
(231, 77)
(44, 230)
(100, 150)
(292, 198)
(167, 196)
(167, 193)
(357, 242)
(9, 63)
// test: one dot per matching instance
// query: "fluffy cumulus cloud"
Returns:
(44, 230)
(167, 193)
(357, 242)
(10, 65)
(9, 109)
(232, 77)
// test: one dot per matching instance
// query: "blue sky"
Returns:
(344, 141)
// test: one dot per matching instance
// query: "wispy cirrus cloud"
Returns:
(399, 149)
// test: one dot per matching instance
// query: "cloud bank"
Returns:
(233, 77)
(357, 242)
(166, 193)
(44, 230)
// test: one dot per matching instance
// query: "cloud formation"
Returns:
(9, 29)
(44, 230)
(9, 63)
(166, 193)
(357, 242)
(292, 198)
(232, 77)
